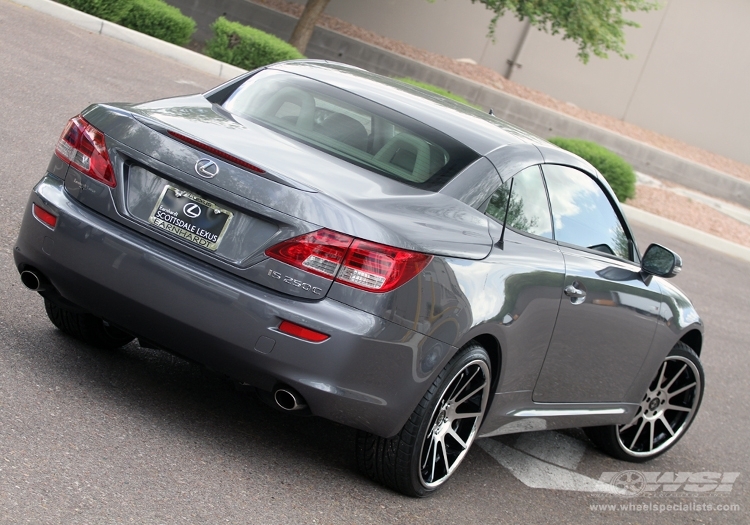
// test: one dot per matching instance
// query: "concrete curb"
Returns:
(222, 70)
(686, 233)
(97, 25)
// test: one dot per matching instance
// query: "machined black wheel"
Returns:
(437, 437)
(86, 327)
(665, 413)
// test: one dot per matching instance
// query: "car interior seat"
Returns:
(291, 105)
(410, 156)
(345, 129)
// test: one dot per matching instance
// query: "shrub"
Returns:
(156, 18)
(619, 174)
(247, 47)
(438, 90)
(112, 10)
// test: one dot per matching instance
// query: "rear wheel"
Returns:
(437, 436)
(86, 327)
(664, 415)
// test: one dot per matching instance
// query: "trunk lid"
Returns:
(302, 182)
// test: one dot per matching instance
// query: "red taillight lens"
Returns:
(353, 262)
(307, 334)
(320, 252)
(379, 268)
(44, 216)
(82, 146)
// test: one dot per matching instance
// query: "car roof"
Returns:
(510, 148)
(476, 129)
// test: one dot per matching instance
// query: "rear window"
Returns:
(351, 128)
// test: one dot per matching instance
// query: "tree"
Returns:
(595, 25)
(304, 28)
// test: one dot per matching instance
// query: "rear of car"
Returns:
(249, 230)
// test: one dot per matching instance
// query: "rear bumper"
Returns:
(370, 374)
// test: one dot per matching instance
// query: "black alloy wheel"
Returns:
(664, 415)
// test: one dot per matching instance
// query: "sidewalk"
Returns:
(223, 71)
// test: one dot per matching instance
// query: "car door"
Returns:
(525, 276)
(608, 313)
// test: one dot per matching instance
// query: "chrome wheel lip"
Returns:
(447, 410)
(650, 415)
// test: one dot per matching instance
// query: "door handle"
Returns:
(572, 291)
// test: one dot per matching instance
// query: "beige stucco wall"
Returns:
(690, 77)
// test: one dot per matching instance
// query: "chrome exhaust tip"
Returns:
(289, 400)
(32, 280)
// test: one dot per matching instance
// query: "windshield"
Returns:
(350, 127)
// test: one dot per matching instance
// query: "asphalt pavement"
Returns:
(141, 436)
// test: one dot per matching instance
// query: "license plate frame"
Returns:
(191, 217)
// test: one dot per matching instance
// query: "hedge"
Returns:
(247, 47)
(152, 17)
(438, 90)
(112, 10)
(156, 18)
(619, 174)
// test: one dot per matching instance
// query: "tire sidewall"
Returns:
(684, 351)
(473, 353)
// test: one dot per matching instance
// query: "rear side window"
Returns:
(351, 128)
(582, 213)
(528, 208)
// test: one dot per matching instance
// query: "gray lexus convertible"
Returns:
(371, 253)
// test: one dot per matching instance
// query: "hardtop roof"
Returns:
(476, 129)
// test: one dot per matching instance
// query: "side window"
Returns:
(528, 209)
(582, 212)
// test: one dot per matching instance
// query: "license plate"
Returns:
(191, 217)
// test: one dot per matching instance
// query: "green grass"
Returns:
(438, 90)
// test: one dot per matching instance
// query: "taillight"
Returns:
(320, 252)
(379, 268)
(82, 146)
(353, 262)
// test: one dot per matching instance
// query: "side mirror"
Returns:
(661, 261)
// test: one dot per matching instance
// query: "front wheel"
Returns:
(437, 436)
(664, 415)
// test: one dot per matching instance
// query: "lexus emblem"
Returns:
(192, 210)
(206, 168)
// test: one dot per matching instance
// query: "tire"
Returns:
(668, 408)
(86, 327)
(434, 441)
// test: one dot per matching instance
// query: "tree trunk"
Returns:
(304, 28)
